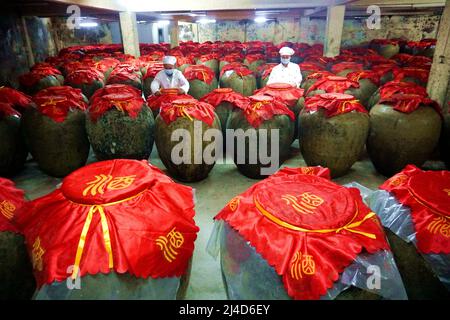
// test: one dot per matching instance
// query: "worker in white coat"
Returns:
(169, 78)
(286, 71)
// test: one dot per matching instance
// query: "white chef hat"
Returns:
(169, 60)
(286, 51)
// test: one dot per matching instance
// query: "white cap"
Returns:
(286, 51)
(169, 60)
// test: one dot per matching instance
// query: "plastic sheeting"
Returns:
(397, 218)
(111, 286)
(247, 276)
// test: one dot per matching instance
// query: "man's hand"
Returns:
(158, 93)
(181, 91)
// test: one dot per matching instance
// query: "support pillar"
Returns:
(333, 32)
(439, 73)
(128, 28)
(174, 40)
(28, 47)
(304, 28)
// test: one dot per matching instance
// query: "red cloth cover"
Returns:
(410, 72)
(319, 75)
(306, 227)
(117, 215)
(57, 102)
(106, 64)
(36, 75)
(309, 66)
(333, 84)
(265, 69)
(408, 103)
(72, 66)
(338, 67)
(124, 72)
(84, 76)
(286, 92)
(184, 60)
(382, 69)
(207, 57)
(153, 70)
(199, 72)
(123, 97)
(394, 87)
(333, 104)
(364, 74)
(261, 108)
(250, 58)
(7, 110)
(187, 108)
(216, 96)
(11, 201)
(16, 98)
(232, 58)
(166, 96)
(427, 194)
(231, 66)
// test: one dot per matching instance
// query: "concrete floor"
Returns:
(212, 194)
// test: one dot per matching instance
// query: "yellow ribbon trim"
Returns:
(106, 236)
(259, 104)
(182, 110)
(344, 104)
(52, 102)
(349, 226)
(119, 105)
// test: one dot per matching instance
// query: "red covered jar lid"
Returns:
(101, 182)
(122, 216)
(432, 188)
(280, 86)
(312, 205)
(223, 90)
(11, 201)
(337, 78)
(427, 196)
(306, 227)
(336, 96)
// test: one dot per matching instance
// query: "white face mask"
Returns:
(285, 61)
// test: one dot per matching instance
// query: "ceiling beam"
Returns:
(400, 3)
(205, 5)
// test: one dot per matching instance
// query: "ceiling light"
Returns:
(162, 23)
(197, 15)
(260, 19)
(88, 24)
(264, 12)
(205, 20)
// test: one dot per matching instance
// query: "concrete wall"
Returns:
(355, 30)
(13, 57)
(47, 36)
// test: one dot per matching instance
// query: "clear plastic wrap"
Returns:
(247, 276)
(111, 286)
(397, 218)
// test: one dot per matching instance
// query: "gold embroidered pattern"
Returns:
(169, 243)
(36, 254)
(302, 265)
(440, 225)
(234, 203)
(7, 209)
(102, 182)
(398, 180)
(307, 204)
